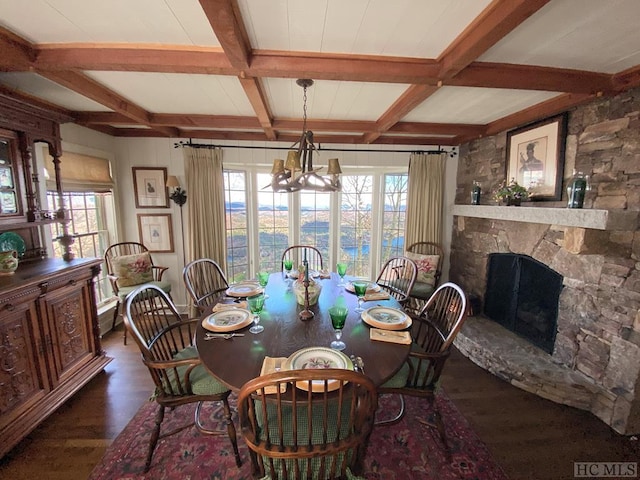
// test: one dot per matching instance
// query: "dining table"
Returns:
(238, 359)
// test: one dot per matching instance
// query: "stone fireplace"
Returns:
(594, 364)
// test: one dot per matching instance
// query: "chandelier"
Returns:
(297, 173)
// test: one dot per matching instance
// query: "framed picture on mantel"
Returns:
(535, 157)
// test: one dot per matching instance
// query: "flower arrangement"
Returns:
(510, 193)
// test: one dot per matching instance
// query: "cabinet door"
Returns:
(11, 208)
(23, 379)
(70, 336)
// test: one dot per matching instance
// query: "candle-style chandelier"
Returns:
(297, 173)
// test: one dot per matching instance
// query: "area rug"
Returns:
(406, 450)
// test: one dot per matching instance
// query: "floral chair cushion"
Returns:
(427, 267)
(133, 269)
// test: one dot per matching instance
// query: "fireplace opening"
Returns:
(522, 295)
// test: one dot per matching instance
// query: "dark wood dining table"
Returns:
(239, 359)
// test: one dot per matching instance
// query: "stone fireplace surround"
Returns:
(595, 365)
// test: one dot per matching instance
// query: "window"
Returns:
(367, 217)
(90, 215)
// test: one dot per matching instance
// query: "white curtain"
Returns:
(425, 198)
(206, 217)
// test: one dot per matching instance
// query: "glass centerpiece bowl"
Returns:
(315, 287)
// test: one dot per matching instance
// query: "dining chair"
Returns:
(166, 343)
(296, 253)
(205, 282)
(428, 257)
(320, 433)
(397, 277)
(129, 265)
(433, 332)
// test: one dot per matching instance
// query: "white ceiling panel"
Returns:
(180, 22)
(35, 85)
(590, 35)
(331, 100)
(474, 105)
(410, 28)
(176, 93)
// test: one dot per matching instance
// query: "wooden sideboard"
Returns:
(49, 341)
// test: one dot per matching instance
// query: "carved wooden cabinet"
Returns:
(49, 341)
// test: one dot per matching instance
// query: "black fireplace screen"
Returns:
(522, 295)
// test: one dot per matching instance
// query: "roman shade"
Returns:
(80, 173)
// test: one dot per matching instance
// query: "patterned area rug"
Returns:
(407, 450)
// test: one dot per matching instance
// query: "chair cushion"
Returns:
(124, 292)
(422, 290)
(202, 382)
(427, 267)
(133, 269)
(399, 380)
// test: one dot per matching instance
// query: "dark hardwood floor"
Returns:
(530, 437)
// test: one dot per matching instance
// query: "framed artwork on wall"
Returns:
(149, 186)
(156, 232)
(535, 157)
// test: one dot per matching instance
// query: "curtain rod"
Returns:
(181, 144)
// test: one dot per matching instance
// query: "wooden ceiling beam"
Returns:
(492, 25)
(256, 97)
(226, 22)
(17, 53)
(86, 86)
(627, 79)
(410, 99)
(529, 77)
(453, 129)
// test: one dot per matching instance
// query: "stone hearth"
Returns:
(595, 363)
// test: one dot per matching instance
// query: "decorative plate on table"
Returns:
(318, 358)
(386, 318)
(372, 288)
(12, 241)
(228, 320)
(244, 289)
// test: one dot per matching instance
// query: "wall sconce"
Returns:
(178, 195)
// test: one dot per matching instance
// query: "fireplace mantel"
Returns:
(568, 217)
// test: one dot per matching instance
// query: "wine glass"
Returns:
(341, 268)
(263, 279)
(338, 316)
(288, 266)
(360, 287)
(256, 304)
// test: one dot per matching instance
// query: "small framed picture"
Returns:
(156, 232)
(149, 186)
(535, 157)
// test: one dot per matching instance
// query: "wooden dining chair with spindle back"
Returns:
(307, 424)
(206, 283)
(433, 332)
(428, 257)
(397, 277)
(166, 343)
(130, 265)
(296, 254)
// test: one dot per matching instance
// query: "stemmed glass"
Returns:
(263, 279)
(288, 266)
(338, 316)
(256, 304)
(360, 287)
(341, 268)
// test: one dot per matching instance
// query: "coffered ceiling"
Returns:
(413, 72)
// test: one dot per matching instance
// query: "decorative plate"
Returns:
(244, 289)
(386, 318)
(12, 241)
(372, 288)
(228, 320)
(318, 357)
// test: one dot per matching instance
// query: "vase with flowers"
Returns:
(510, 193)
